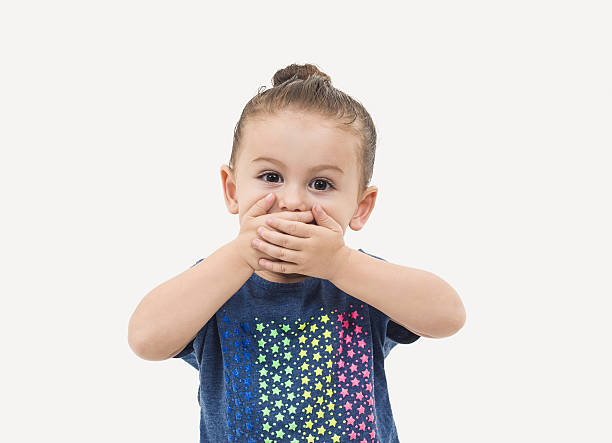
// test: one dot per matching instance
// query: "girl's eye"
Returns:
(319, 182)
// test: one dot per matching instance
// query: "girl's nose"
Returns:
(292, 199)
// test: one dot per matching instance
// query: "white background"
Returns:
(494, 122)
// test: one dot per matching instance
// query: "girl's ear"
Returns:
(228, 183)
(364, 208)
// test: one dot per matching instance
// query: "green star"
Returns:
(286, 341)
(275, 363)
(288, 370)
(276, 391)
(263, 372)
(263, 384)
(261, 343)
(288, 383)
(292, 426)
(267, 440)
(266, 426)
(290, 396)
(265, 411)
(285, 328)
(275, 348)
(280, 433)
(276, 378)
(260, 327)
(264, 397)
(274, 333)
(279, 417)
(278, 403)
(261, 358)
(292, 411)
(287, 355)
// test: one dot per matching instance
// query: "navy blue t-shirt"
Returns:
(295, 362)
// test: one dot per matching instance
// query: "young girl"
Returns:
(288, 326)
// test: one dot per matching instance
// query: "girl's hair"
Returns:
(306, 88)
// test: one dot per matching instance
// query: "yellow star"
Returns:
(321, 430)
(325, 318)
(313, 328)
(317, 356)
(308, 409)
(329, 348)
(310, 438)
(335, 438)
(332, 422)
(302, 339)
(315, 342)
(327, 334)
(308, 424)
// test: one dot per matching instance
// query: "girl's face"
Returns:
(302, 158)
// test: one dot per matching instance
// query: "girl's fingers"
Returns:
(279, 239)
(297, 229)
(288, 255)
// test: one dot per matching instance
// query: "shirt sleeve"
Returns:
(188, 352)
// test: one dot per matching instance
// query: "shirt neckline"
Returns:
(307, 283)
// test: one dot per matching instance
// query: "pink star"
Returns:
(363, 441)
(354, 382)
(373, 433)
(350, 420)
(361, 409)
(362, 426)
(371, 418)
(341, 333)
(357, 329)
(363, 358)
(353, 367)
(345, 324)
(369, 387)
(348, 406)
(359, 396)
(348, 338)
(370, 401)
(350, 353)
(365, 373)
(342, 378)
(340, 317)
(354, 314)
(344, 392)
(353, 435)
(340, 363)
(361, 343)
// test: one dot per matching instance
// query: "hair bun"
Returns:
(301, 72)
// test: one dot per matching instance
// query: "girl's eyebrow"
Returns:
(314, 168)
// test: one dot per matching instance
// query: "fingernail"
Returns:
(269, 196)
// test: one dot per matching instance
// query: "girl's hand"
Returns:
(256, 217)
(314, 250)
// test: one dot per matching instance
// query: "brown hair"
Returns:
(306, 88)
